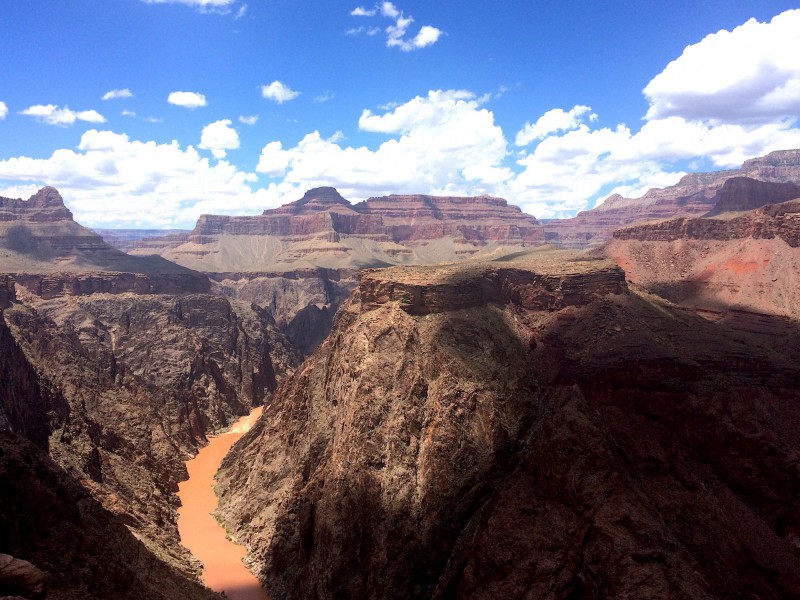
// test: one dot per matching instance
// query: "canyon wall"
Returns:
(748, 263)
(523, 441)
(116, 377)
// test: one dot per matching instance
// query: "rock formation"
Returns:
(525, 428)
(119, 376)
(694, 195)
(749, 263)
(300, 260)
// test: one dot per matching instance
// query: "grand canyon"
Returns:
(459, 400)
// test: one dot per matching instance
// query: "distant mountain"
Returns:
(301, 260)
(694, 195)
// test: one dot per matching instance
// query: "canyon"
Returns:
(480, 413)
(116, 369)
(300, 261)
(546, 434)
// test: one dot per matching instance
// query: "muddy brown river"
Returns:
(223, 569)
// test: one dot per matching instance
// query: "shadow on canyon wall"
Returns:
(622, 447)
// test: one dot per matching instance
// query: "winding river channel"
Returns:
(223, 569)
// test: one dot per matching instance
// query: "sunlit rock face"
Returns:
(525, 428)
(749, 262)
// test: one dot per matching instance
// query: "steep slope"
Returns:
(120, 383)
(525, 428)
(694, 195)
(750, 262)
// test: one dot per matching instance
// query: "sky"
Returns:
(149, 113)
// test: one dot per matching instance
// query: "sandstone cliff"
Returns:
(525, 428)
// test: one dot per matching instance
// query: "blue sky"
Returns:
(147, 113)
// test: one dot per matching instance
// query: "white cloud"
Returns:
(324, 97)
(53, 115)
(279, 92)
(396, 34)
(3, 110)
(128, 113)
(190, 100)
(370, 31)
(552, 121)
(248, 120)
(444, 142)
(113, 94)
(750, 74)
(218, 6)
(219, 137)
(360, 11)
(113, 180)
(441, 142)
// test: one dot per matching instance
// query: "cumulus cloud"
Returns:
(279, 92)
(248, 120)
(440, 142)
(53, 115)
(190, 100)
(113, 180)
(443, 142)
(397, 32)
(128, 113)
(219, 137)
(749, 74)
(114, 94)
(3, 110)
(553, 121)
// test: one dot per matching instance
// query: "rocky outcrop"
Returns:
(8, 291)
(302, 301)
(21, 577)
(773, 221)
(45, 206)
(694, 195)
(525, 443)
(743, 193)
(546, 285)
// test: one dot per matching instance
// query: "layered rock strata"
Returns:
(694, 195)
(299, 260)
(525, 428)
(748, 263)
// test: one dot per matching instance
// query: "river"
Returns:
(223, 569)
